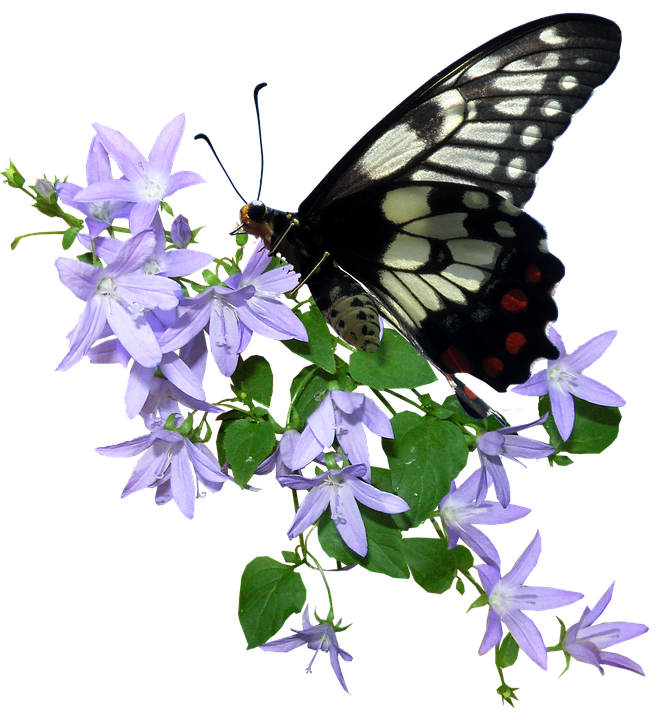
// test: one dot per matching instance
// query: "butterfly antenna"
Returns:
(257, 89)
(203, 136)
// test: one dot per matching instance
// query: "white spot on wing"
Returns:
(550, 36)
(508, 209)
(439, 227)
(531, 83)
(551, 108)
(451, 107)
(490, 133)
(582, 61)
(404, 204)
(513, 106)
(408, 304)
(486, 65)
(472, 160)
(475, 200)
(421, 290)
(391, 152)
(504, 229)
(517, 167)
(539, 61)
(447, 289)
(530, 135)
(568, 82)
(407, 253)
(481, 253)
(468, 277)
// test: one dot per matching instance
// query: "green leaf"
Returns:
(596, 427)
(507, 653)
(562, 460)
(290, 557)
(319, 348)
(210, 277)
(432, 565)
(247, 444)
(384, 549)
(269, 593)
(396, 364)
(254, 379)
(69, 238)
(307, 391)
(425, 455)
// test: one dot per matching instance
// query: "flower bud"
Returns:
(45, 189)
(181, 233)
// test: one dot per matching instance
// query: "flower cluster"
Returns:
(132, 299)
(142, 311)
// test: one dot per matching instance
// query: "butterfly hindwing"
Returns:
(490, 119)
(462, 273)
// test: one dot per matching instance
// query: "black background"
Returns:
(142, 599)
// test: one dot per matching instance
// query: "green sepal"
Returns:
(211, 278)
(290, 557)
(433, 566)
(508, 694)
(319, 349)
(253, 380)
(246, 444)
(562, 460)
(507, 652)
(481, 601)
(166, 207)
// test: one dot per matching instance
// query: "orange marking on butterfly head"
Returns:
(514, 301)
(262, 230)
(532, 274)
(456, 360)
(515, 342)
(493, 366)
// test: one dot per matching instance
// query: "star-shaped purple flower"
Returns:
(146, 182)
(319, 638)
(341, 416)
(171, 464)
(563, 378)
(587, 640)
(505, 442)
(233, 313)
(340, 489)
(460, 513)
(119, 296)
(510, 600)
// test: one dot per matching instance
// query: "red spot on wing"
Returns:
(493, 366)
(533, 274)
(514, 301)
(514, 342)
(455, 360)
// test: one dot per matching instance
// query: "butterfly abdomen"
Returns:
(348, 309)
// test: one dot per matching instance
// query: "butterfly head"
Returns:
(255, 219)
(271, 226)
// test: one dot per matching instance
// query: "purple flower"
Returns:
(508, 597)
(167, 465)
(146, 182)
(99, 214)
(147, 392)
(341, 416)
(563, 378)
(317, 637)
(170, 263)
(181, 233)
(460, 513)
(232, 314)
(281, 457)
(586, 642)
(119, 296)
(493, 446)
(340, 489)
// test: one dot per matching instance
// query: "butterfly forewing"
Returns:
(490, 119)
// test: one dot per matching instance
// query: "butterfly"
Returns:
(421, 222)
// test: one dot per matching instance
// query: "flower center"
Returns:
(563, 379)
(106, 286)
(153, 190)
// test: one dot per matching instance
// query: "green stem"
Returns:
(326, 585)
(28, 193)
(403, 397)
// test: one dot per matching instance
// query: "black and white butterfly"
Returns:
(421, 221)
